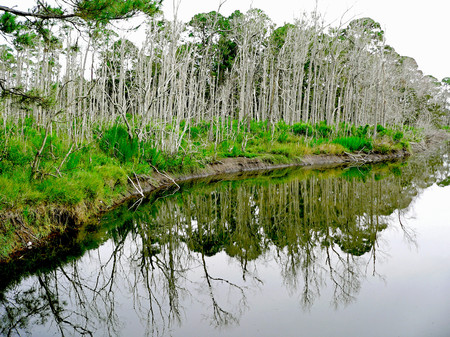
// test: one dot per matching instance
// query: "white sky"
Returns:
(419, 29)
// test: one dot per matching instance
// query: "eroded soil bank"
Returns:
(72, 219)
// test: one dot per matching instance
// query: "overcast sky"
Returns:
(419, 29)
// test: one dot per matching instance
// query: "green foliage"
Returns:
(103, 11)
(397, 136)
(117, 143)
(91, 183)
(279, 35)
(355, 143)
(367, 26)
(381, 130)
(360, 131)
(302, 129)
(283, 137)
(23, 40)
(8, 23)
(7, 239)
(111, 175)
(234, 151)
(73, 160)
(358, 173)
(65, 191)
(382, 148)
(211, 32)
(445, 182)
(323, 130)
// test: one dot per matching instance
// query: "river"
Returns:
(353, 251)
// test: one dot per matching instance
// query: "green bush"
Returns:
(323, 130)
(302, 129)
(383, 148)
(73, 160)
(194, 131)
(282, 150)
(360, 131)
(283, 137)
(380, 129)
(7, 238)
(5, 166)
(355, 143)
(397, 136)
(152, 155)
(19, 153)
(117, 143)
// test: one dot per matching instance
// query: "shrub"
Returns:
(323, 130)
(302, 129)
(73, 160)
(117, 143)
(327, 148)
(194, 131)
(355, 143)
(7, 238)
(152, 155)
(382, 148)
(19, 153)
(397, 136)
(380, 129)
(282, 150)
(283, 137)
(360, 131)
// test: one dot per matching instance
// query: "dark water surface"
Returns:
(360, 251)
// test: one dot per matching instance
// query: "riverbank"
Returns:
(61, 218)
(141, 185)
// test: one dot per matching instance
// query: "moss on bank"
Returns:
(64, 184)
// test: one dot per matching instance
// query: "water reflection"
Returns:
(145, 268)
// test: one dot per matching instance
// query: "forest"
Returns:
(85, 111)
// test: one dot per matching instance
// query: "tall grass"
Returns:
(354, 143)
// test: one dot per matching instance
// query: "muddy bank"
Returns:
(142, 185)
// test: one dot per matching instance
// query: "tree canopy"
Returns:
(78, 12)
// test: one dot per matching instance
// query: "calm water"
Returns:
(361, 251)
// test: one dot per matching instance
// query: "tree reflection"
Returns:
(322, 228)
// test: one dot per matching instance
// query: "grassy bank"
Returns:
(48, 181)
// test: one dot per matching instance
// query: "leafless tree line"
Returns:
(304, 71)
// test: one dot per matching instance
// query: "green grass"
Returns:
(80, 177)
(354, 143)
